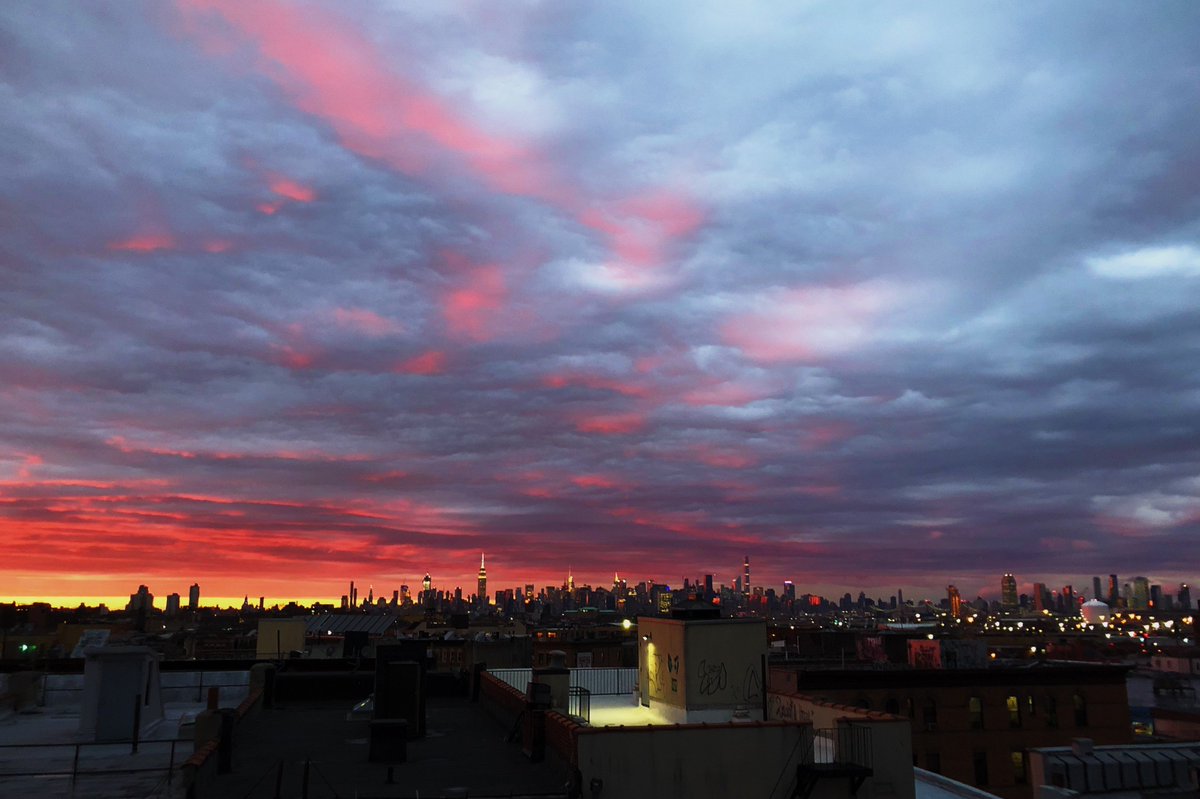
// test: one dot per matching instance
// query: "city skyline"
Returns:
(298, 293)
(1081, 589)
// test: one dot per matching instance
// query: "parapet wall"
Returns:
(754, 759)
(500, 699)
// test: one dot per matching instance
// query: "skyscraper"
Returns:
(481, 596)
(1039, 597)
(142, 601)
(1008, 591)
(1185, 596)
(194, 596)
(955, 600)
(746, 581)
(1140, 598)
(1113, 590)
(1096, 589)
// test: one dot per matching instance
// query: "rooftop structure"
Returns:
(1131, 770)
(120, 729)
(701, 670)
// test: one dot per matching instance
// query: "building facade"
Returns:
(976, 725)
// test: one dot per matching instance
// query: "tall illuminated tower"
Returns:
(746, 578)
(482, 595)
(955, 600)
(1008, 591)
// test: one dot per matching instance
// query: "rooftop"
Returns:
(463, 748)
(934, 786)
(43, 754)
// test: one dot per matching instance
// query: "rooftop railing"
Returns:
(598, 682)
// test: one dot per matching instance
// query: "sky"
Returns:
(879, 295)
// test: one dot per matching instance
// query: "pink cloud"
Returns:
(473, 310)
(144, 242)
(28, 462)
(386, 477)
(292, 357)
(597, 481)
(333, 71)
(427, 363)
(809, 323)
(640, 228)
(611, 424)
(726, 393)
(721, 458)
(292, 190)
(592, 381)
(824, 435)
(365, 321)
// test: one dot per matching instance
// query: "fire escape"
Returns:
(842, 752)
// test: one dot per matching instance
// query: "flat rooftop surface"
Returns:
(934, 786)
(623, 709)
(42, 754)
(463, 748)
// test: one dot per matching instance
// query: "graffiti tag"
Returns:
(713, 678)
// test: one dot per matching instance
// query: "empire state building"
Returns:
(481, 597)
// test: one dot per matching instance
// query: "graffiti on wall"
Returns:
(786, 708)
(713, 678)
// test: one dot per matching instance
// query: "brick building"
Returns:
(976, 725)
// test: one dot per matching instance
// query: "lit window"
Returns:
(1014, 711)
(1018, 765)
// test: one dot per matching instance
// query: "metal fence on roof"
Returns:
(598, 682)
